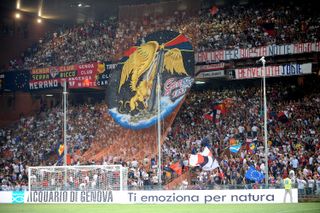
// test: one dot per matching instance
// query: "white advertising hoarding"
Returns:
(152, 197)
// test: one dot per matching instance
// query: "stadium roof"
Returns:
(70, 11)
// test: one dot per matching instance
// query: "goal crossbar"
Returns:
(84, 177)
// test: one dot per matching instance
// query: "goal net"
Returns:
(93, 177)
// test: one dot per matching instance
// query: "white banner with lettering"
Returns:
(152, 197)
(211, 74)
(274, 71)
(210, 67)
(271, 50)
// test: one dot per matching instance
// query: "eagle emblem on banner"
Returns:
(140, 70)
(151, 79)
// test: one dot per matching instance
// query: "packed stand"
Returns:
(236, 26)
(258, 24)
(293, 143)
(34, 140)
(88, 42)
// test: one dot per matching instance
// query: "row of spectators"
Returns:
(236, 26)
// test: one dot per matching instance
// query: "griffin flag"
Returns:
(132, 91)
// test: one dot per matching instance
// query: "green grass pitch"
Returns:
(148, 208)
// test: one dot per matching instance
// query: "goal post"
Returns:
(77, 178)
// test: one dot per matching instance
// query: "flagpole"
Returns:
(159, 71)
(265, 122)
(65, 148)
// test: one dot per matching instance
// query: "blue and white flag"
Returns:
(235, 148)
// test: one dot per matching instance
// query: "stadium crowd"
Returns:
(237, 26)
(87, 42)
(35, 140)
(258, 24)
(293, 142)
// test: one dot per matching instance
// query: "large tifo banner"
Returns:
(271, 50)
(153, 197)
(77, 76)
(274, 71)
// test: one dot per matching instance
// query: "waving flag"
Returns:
(60, 150)
(282, 116)
(211, 166)
(204, 160)
(233, 142)
(216, 117)
(132, 86)
(17, 81)
(235, 149)
(252, 148)
(235, 145)
(253, 174)
(206, 152)
(218, 109)
(208, 116)
(176, 167)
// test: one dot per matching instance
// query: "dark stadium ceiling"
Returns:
(70, 11)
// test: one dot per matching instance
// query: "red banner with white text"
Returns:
(77, 76)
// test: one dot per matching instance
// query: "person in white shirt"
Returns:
(294, 162)
(241, 130)
(310, 160)
(311, 184)
(87, 179)
(305, 171)
(53, 183)
(16, 169)
(82, 186)
(155, 180)
(301, 185)
(254, 130)
(317, 192)
(134, 163)
(71, 183)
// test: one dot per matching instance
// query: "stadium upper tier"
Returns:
(227, 27)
